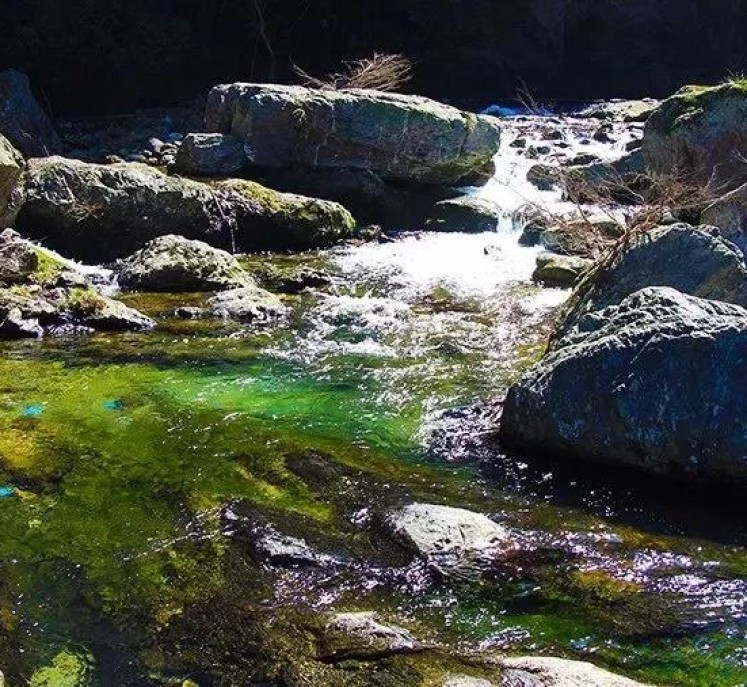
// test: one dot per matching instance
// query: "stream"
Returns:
(133, 468)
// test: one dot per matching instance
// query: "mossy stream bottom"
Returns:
(117, 454)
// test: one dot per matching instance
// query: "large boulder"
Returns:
(22, 119)
(693, 260)
(729, 214)
(102, 212)
(11, 167)
(401, 137)
(655, 383)
(541, 671)
(173, 263)
(700, 131)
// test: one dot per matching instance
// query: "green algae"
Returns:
(142, 441)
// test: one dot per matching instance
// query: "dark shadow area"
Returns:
(109, 56)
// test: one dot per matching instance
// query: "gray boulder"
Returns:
(401, 137)
(693, 260)
(102, 212)
(11, 168)
(540, 671)
(656, 383)
(467, 213)
(729, 214)
(210, 155)
(22, 119)
(450, 540)
(173, 263)
(249, 304)
(701, 131)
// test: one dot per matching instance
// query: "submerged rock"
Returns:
(450, 540)
(467, 213)
(655, 383)
(22, 119)
(67, 669)
(247, 304)
(540, 671)
(101, 212)
(362, 636)
(693, 260)
(173, 263)
(560, 270)
(701, 132)
(210, 155)
(11, 168)
(402, 137)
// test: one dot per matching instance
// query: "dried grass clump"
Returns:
(380, 72)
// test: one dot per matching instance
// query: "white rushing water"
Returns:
(444, 317)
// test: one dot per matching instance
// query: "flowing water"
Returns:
(128, 464)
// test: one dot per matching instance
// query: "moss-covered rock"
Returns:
(467, 213)
(402, 137)
(11, 167)
(559, 270)
(101, 212)
(40, 292)
(700, 131)
(67, 669)
(247, 304)
(173, 263)
(269, 220)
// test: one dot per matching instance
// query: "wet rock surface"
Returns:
(560, 270)
(362, 635)
(249, 304)
(464, 214)
(452, 541)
